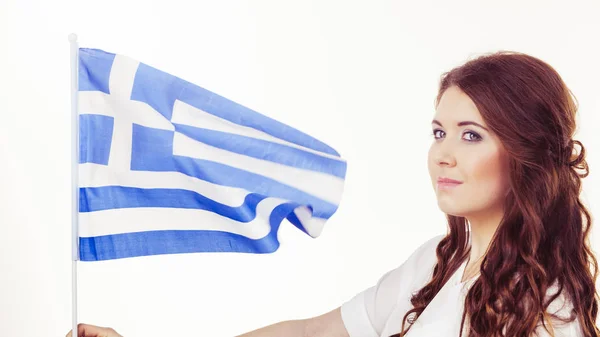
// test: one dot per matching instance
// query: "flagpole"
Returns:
(74, 173)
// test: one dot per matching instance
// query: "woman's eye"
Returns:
(472, 136)
(437, 134)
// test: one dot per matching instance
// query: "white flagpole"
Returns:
(74, 172)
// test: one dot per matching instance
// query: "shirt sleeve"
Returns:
(366, 313)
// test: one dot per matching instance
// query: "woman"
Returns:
(516, 261)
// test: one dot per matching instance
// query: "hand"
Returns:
(86, 330)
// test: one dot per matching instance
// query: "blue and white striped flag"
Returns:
(168, 167)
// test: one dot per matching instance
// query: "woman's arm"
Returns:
(326, 325)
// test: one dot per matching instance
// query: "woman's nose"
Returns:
(444, 156)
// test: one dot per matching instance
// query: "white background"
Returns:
(359, 75)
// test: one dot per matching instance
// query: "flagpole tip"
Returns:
(72, 37)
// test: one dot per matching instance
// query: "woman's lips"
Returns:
(447, 183)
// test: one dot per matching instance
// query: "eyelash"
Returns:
(476, 137)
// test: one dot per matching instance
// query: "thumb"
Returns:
(87, 330)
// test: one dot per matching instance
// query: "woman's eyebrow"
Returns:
(462, 124)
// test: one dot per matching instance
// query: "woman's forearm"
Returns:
(294, 328)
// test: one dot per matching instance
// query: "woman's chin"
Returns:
(451, 210)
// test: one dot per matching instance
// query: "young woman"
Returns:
(516, 260)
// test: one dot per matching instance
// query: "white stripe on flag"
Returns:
(121, 80)
(122, 75)
(131, 220)
(321, 185)
(313, 226)
(94, 175)
(99, 103)
(186, 114)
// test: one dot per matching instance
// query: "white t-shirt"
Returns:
(379, 310)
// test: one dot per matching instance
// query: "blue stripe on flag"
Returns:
(293, 219)
(156, 88)
(265, 150)
(127, 245)
(239, 114)
(95, 138)
(152, 150)
(113, 197)
(160, 90)
(94, 69)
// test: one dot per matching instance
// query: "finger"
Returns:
(87, 330)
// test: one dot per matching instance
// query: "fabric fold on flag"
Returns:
(168, 167)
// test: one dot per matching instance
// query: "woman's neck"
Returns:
(483, 227)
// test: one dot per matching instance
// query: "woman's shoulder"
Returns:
(427, 250)
(419, 265)
(392, 291)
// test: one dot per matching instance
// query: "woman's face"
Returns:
(465, 151)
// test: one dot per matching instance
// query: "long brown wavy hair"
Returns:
(542, 239)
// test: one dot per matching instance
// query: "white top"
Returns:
(379, 310)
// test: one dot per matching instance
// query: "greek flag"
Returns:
(167, 167)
